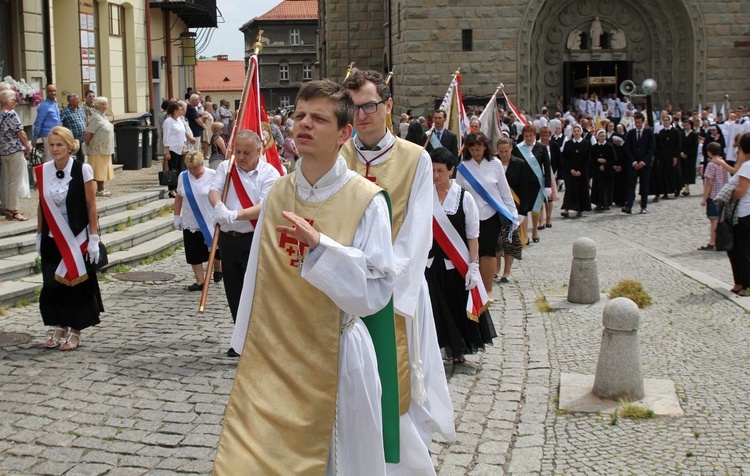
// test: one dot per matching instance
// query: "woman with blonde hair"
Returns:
(100, 145)
(67, 226)
(196, 220)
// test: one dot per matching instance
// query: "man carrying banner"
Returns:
(405, 171)
(250, 183)
(322, 257)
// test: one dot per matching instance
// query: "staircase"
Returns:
(134, 227)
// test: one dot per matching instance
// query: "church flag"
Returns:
(713, 111)
(255, 118)
(488, 122)
(723, 111)
(512, 107)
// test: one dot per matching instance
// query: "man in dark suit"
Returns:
(446, 137)
(639, 146)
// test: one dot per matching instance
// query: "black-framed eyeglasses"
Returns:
(368, 107)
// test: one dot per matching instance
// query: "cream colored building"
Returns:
(134, 52)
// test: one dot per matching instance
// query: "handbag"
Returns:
(724, 236)
(168, 178)
(103, 258)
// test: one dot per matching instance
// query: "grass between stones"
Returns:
(632, 290)
(542, 305)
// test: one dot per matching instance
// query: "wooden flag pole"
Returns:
(432, 129)
(257, 46)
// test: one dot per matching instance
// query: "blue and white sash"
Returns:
(506, 217)
(534, 164)
(208, 236)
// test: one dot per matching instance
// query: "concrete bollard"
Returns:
(618, 370)
(583, 287)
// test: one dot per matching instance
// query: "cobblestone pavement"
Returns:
(146, 391)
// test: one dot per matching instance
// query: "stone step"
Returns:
(22, 265)
(137, 211)
(105, 208)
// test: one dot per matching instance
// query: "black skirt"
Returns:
(196, 251)
(489, 231)
(458, 334)
(61, 305)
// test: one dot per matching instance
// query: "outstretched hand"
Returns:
(301, 230)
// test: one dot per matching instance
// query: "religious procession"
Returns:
(359, 256)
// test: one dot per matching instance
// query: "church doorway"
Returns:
(602, 78)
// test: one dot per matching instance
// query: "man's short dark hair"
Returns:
(639, 115)
(325, 88)
(359, 78)
(440, 111)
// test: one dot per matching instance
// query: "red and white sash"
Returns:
(455, 249)
(239, 189)
(72, 268)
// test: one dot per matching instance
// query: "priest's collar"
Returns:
(327, 181)
(387, 139)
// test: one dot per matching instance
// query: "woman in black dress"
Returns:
(457, 332)
(602, 161)
(574, 167)
(70, 297)
(668, 148)
(688, 156)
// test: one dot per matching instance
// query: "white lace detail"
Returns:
(453, 200)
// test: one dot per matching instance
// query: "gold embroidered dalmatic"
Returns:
(280, 415)
(396, 175)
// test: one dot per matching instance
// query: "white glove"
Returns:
(177, 222)
(93, 249)
(517, 222)
(547, 192)
(472, 276)
(224, 216)
(39, 244)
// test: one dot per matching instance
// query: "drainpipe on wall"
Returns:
(148, 61)
(168, 43)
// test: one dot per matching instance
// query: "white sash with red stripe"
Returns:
(455, 249)
(72, 268)
(238, 187)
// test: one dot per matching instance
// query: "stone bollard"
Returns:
(618, 370)
(583, 287)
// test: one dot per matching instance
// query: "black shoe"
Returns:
(541, 227)
(535, 240)
(218, 276)
(507, 280)
(643, 211)
(548, 225)
(195, 287)
(232, 353)
(626, 210)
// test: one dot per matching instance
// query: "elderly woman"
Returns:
(458, 333)
(197, 218)
(291, 155)
(14, 147)
(208, 120)
(100, 145)
(483, 176)
(70, 297)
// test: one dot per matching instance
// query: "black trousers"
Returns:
(235, 251)
(176, 162)
(739, 257)
(644, 175)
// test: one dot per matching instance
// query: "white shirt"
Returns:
(492, 172)
(743, 205)
(173, 131)
(257, 182)
(471, 215)
(58, 187)
(200, 189)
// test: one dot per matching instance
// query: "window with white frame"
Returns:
(284, 101)
(294, 38)
(306, 71)
(284, 71)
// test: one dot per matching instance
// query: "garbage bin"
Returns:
(148, 137)
(128, 145)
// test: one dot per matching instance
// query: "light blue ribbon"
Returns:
(196, 210)
(501, 209)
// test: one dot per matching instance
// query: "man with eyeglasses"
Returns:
(404, 169)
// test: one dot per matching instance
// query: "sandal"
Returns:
(72, 342)
(706, 248)
(57, 337)
(14, 215)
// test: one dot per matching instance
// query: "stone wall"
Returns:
(689, 47)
